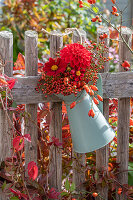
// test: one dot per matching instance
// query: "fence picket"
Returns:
(31, 67)
(55, 129)
(102, 154)
(79, 159)
(123, 118)
(6, 53)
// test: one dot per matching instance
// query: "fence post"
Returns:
(79, 159)
(31, 67)
(55, 129)
(123, 117)
(6, 53)
(102, 154)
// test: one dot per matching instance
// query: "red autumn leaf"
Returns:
(64, 108)
(27, 137)
(3, 82)
(66, 127)
(19, 194)
(32, 170)
(53, 194)
(131, 122)
(115, 140)
(11, 83)
(18, 143)
(20, 62)
(40, 63)
(55, 141)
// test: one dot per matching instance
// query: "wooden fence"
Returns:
(115, 85)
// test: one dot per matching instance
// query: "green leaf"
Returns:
(14, 105)
(14, 198)
(67, 185)
(72, 188)
(4, 185)
(64, 194)
(130, 174)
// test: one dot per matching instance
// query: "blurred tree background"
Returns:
(21, 15)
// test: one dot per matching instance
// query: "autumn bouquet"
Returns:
(73, 77)
(74, 69)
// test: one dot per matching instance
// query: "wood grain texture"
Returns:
(31, 66)
(55, 129)
(6, 53)
(123, 120)
(79, 159)
(102, 154)
(115, 85)
(3, 196)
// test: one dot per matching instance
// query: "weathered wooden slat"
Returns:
(31, 61)
(79, 159)
(115, 85)
(6, 53)
(102, 154)
(123, 119)
(55, 128)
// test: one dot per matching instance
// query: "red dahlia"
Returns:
(76, 55)
(54, 66)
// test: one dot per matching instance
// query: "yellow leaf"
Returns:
(37, 16)
(43, 19)
(42, 39)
